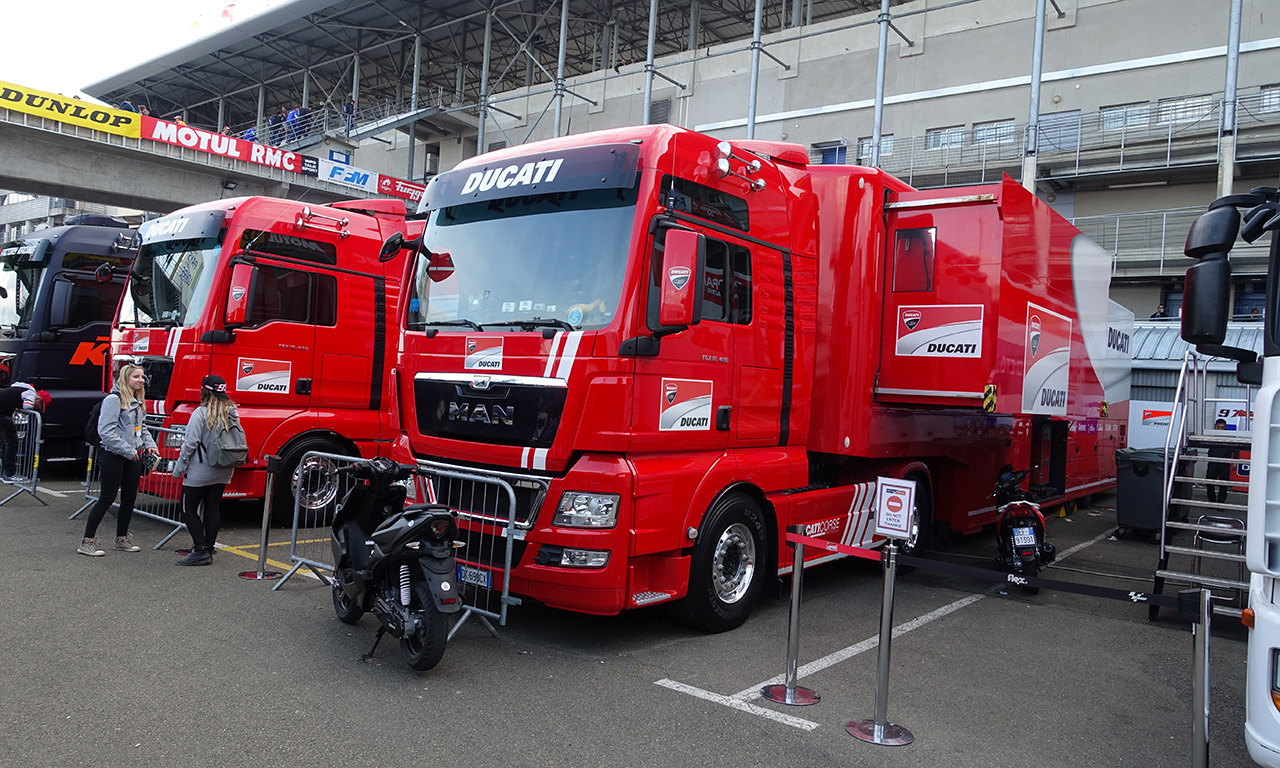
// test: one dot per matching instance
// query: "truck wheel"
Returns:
(727, 574)
(311, 478)
(929, 533)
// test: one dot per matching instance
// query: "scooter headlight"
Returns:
(587, 510)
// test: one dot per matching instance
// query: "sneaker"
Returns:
(197, 557)
(11, 479)
(125, 543)
(90, 547)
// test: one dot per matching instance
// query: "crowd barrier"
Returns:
(1194, 604)
(29, 426)
(485, 508)
(159, 492)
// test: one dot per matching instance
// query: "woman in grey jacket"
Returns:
(202, 483)
(125, 438)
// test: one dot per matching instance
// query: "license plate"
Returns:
(1024, 537)
(478, 576)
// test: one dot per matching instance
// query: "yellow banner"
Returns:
(68, 110)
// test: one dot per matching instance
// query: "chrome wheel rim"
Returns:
(314, 482)
(734, 563)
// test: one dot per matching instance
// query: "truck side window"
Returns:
(293, 296)
(726, 293)
(92, 303)
(913, 253)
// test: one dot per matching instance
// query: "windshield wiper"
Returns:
(465, 323)
(539, 322)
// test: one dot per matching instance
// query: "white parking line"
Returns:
(51, 492)
(739, 700)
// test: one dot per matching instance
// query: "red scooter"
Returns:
(1020, 544)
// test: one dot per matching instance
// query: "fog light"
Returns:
(584, 558)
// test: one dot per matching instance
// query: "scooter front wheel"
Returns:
(348, 610)
(425, 649)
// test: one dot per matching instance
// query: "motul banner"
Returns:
(71, 111)
(220, 144)
(390, 185)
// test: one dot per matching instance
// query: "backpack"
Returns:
(91, 436)
(228, 448)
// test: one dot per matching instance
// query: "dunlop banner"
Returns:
(67, 110)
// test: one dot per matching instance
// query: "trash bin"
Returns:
(1140, 483)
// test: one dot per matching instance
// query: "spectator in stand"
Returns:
(292, 126)
(276, 127)
(177, 119)
(349, 114)
(1255, 315)
(142, 110)
(250, 134)
(1160, 314)
(304, 119)
(226, 130)
(127, 105)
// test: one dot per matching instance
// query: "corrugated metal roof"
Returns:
(1158, 344)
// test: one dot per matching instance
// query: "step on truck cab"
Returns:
(59, 288)
(289, 303)
(673, 347)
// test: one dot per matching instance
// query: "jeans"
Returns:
(203, 533)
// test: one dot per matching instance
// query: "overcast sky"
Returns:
(63, 45)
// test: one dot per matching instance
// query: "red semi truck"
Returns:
(289, 303)
(671, 348)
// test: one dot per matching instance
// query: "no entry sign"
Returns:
(894, 501)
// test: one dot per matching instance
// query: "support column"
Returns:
(484, 83)
(755, 69)
(262, 109)
(648, 61)
(355, 79)
(1033, 119)
(695, 18)
(222, 113)
(413, 99)
(564, 30)
(877, 121)
(1227, 147)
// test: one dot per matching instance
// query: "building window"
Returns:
(495, 145)
(1123, 116)
(1269, 98)
(864, 147)
(829, 152)
(997, 132)
(1188, 109)
(937, 138)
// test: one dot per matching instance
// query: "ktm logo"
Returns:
(246, 367)
(671, 393)
(91, 352)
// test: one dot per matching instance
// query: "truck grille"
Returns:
(483, 494)
(501, 413)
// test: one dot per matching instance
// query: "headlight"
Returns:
(587, 510)
(173, 439)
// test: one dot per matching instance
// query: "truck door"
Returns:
(351, 345)
(680, 389)
(270, 362)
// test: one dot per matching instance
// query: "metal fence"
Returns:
(159, 492)
(1150, 243)
(29, 426)
(485, 508)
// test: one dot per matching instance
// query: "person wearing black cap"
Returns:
(201, 482)
(19, 395)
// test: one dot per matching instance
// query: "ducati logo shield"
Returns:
(670, 392)
(911, 318)
(246, 367)
(679, 277)
(237, 293)
(1035, 335)
(471, 346)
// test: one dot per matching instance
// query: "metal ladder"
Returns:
(1191, 434)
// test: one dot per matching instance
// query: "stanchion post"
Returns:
(273, 468)
(789, 693)
(1200, 679)
(878, 730)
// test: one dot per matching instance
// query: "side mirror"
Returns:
(239, 294)
(103, 273)
(1205, 298)
(58, 303)
(396, 243)
(683, 262)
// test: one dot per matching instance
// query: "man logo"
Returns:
(246, 367)
(1035, 334)
(671, 393)
(911, 318)
(471, 346)
(679, 276)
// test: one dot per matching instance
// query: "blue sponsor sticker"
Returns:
(575, 316)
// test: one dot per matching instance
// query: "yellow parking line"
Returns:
(253, 555)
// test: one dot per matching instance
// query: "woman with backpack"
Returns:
(203, 480)
(124, 441)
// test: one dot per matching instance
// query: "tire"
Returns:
(727, 573)
(929, 534)
(424, 650)
(347, 610)
(286, 480)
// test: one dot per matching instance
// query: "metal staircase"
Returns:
(1202, 542)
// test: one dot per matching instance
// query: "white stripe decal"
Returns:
(570, 352)
(854, 520)
(539, 458)
(864, 536)
(551, 355)
(848, 519)
(524, 458)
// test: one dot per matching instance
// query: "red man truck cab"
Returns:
(672, 348)
(290, 304)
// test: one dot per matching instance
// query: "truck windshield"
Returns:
(538, 261)
(20, 281)
(170, 282)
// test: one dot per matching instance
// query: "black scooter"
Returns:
(1020, 544)
(395, 561)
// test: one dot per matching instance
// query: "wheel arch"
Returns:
(767, 510)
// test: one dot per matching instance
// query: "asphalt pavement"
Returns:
(127, 660)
